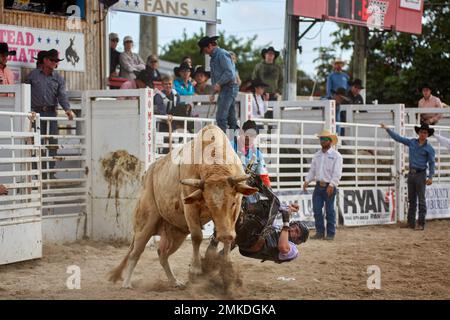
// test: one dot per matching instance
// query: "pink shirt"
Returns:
(431, 102)
(7, 76)
(131, 84)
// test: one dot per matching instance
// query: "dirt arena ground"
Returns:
(413, 264)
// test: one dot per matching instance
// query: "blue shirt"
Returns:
(182, 89)
(337, 80)
(419, 155)
(223, 70)
(47, 91)
(259, 165)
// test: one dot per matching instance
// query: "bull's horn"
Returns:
(197, 183)
(235, 180)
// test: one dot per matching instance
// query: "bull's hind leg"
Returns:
(171, 240)
(146, 224)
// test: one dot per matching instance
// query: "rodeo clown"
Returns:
(256, 235)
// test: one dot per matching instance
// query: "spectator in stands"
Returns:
(223, 77)
(48, 89)
(6, 75)
(353, 94)
(340, 96)
(429, 101)
(337, 79)
(183, 83)
(129, 61)
(269, 72)
(165, 99)
(421, 157)
(326, 171)
(3, 190)
(142, 81)
(238, 78)
(114, 56)
(201, 77)
(259, 107)
(152, 68)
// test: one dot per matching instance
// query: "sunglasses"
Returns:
(115, 40)
(153, 61)
(325, 139)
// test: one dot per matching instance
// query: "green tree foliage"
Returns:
(399, 63)
(324, 68)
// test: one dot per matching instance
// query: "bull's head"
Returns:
(223, 198)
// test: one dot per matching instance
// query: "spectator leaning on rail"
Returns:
(47, 90)
(6, 75)
(223, 77)
(337, 78)
(429, 101)
(142, 81)
(167, 98)
(353, 94)
(326, 171)
(183, 83)
(421, 156)
(268, 71)
(3, 190)
(114, 56)
(340, 96)
(152, 68)
(130, 62)
(201, 77)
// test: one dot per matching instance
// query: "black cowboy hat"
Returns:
(183, 66)
(205, 41)
(357, 83)
(144, 76)
(201, 69)
(40, 56)
(265, 50)
(424, 126)
(5, 50)
(250, 125)
(258, 83)
(426, 86)
(51, 54)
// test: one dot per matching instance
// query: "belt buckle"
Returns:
(322, 184)
(45, 109)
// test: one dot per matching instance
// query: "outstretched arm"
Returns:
(396, 136)
(443, 140)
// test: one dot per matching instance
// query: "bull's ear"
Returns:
(195, 196)
(245, 189)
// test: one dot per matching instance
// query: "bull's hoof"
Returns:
(127, 286)
(179, 284)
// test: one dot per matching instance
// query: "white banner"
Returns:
(29, 41)
(304, 201)
(438, 200)
(411, 4)
(367, 206)
(199, 10)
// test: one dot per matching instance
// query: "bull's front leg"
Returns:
(194, 224)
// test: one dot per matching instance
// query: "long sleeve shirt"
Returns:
(129, 63)
(337, 80)
(223, 70)
(271, 74)
(47, 91)
(183, 89)
(419, 155)
(326, 166)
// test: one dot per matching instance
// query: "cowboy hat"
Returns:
(201, 69)
(265, 50)
(426, 86)
(424, 126)
(51, 54)
(338, 60)
(183, 66)
(328, 134)
(40, 56)
(5, 50)
(205, 41)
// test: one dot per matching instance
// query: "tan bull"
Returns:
(200, 181)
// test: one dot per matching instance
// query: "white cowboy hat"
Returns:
(328, 134)
(338, 60)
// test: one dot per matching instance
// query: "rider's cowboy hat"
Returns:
(328, 134)
(424, 126)
(265, 50)
(5, 50)
(51, 54)
(205, 41)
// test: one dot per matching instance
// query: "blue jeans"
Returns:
(320, 197)
(226, 112)
(52, 130)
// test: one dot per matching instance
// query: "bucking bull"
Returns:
(202, 180)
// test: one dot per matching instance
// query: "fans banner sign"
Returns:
(367, 206)
(27, 42)
(438, 200)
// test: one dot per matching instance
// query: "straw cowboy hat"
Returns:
(424, 126)
(338, 60)
(328, 134)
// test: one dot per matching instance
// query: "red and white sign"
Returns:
(29, 41)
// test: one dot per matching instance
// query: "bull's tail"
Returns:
(116, 274)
